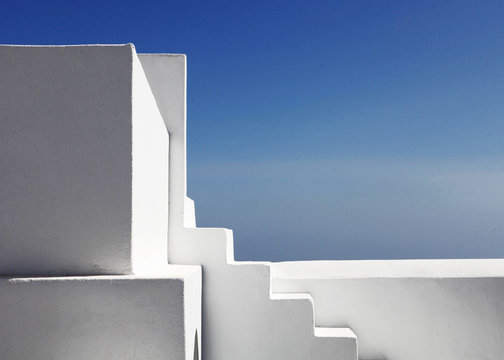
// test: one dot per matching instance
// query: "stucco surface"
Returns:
(354, 269)
(167, 77)
(150, 178)
(84, 165)
(240, 318)
(77, 126)
(407, 309)
(239, 293)
(100, 317)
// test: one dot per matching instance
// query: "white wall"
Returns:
(101, 317)
(407, 310)
(150, 162)
(166, 74)
(76, 138)
(84, 165)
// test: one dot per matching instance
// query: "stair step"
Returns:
(335, 332)
(341, 342)
(296, 296)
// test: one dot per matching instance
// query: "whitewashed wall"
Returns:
(84, 158)
(407, 309)
(83, 162)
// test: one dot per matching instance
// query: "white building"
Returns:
(100, 256)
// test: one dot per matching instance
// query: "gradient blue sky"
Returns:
(324, 129)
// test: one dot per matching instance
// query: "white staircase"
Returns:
(405, 315)
(242, 319)
(92, 184)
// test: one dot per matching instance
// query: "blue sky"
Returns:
(324, 129)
